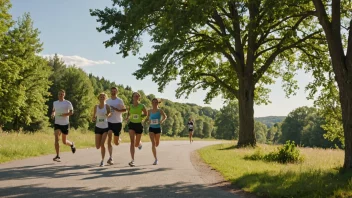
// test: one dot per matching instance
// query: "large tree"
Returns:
(227, 47)
(8, 69)
(28, 84)
(34, 74)
(333, 15)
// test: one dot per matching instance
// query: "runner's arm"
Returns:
(94, 113)
(128, 114)
(145, 111)
(147, 118)
(53, 113)
(164, 116)
(108, 111)
(68, 114)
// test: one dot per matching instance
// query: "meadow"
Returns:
(319, 175)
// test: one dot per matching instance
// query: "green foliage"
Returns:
(257, 155)
(5, 18)
(198, 128)
(227, 121)
(260, 131)
(23, 102)
(305, 126)
(194, 40)
(79, 92)
(207, 127)
(294, 123)
(288, 153)
(269, 121)
(224, 47)
(329, 107)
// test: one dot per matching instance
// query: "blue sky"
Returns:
(68, 29)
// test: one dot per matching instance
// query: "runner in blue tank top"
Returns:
(155, 118)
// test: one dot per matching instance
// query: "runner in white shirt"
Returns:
(62, 110)
(100, 116)
(115, 120)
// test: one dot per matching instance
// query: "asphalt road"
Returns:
(79, 174)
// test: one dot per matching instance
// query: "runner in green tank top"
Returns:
(135, 126)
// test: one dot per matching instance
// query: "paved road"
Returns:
(79, 174)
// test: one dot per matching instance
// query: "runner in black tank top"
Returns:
(190, 125)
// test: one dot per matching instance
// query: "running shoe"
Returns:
(101, 163)
(131, 163)
(155, 162)
(73, 148)
(57, 159)
(110, 161)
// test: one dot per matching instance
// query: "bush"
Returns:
(257, 155)
(288, 153)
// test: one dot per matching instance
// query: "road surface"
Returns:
(79, 174)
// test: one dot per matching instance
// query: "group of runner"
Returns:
(108, 118)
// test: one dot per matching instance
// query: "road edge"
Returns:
(214, 179)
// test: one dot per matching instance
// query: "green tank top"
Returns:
(136, 113)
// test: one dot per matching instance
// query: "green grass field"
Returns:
(14, 145)
(318, 176)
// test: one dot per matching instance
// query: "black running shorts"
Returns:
(115, 128)
(154, 130)
(100, 131)
(136, 127)
(62, 128)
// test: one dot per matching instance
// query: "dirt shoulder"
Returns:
(214, 179)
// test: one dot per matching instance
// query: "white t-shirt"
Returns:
(116, 117)
(61, 107)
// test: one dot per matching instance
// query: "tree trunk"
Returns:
(343, 75)
(346, 105)
(246, 113)
(345, 90)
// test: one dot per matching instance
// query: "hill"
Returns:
(270, 120)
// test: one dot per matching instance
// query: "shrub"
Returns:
(288, 153)
(257, 155)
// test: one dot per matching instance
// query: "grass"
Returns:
(318, 176)
(20, 145)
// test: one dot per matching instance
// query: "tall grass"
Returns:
(318, 176)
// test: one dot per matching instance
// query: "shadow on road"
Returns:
(172, 190)
(90, 171)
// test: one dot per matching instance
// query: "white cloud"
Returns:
(80, 61)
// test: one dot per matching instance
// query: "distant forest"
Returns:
(269, 121)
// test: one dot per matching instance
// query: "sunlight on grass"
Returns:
(19, 145)
(318, 176)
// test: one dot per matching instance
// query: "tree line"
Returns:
(29, 85)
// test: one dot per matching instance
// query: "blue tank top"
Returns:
(155, 119)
